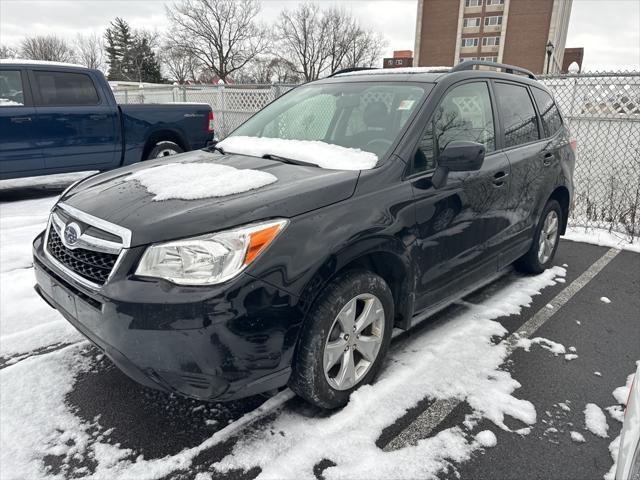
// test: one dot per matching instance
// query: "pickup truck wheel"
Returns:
(545, 241)
(164, 149)
(344, 340)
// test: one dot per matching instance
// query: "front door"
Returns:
(78, 128)
(459, 227)
(19, 152)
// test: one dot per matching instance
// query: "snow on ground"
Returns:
(605, 300)
(595, 420)
(26, 322)
(553, 347)
(199, 180)
(577, 437)
(602, 237)
(621, 394)
(325, 155)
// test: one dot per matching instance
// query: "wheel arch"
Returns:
(161, 136)
(562, 196)
(389, 263)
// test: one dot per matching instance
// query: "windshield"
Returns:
(364, 116)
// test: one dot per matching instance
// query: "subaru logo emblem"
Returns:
(71, 234)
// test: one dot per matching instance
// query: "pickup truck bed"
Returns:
(57, 118)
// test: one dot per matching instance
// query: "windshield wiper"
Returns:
(215, 148)
(291, 161)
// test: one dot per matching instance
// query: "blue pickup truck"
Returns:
(57, 118)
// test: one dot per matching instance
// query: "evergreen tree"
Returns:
(130, 54)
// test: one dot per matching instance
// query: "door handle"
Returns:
(20, 119)
(547, 158)
(499, 178)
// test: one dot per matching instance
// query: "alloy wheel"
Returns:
(548, 237)
(354, 341)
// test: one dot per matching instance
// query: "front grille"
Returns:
(93, 266)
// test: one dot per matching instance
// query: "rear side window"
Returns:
(11, 94)
(463, 114)
(551, 119)
(63, 88)
(518, 115)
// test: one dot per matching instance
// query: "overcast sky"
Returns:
(609, 30)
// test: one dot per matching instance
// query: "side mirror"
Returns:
(458, 156)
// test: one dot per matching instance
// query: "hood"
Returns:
(127, 203)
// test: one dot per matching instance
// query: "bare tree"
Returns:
(223, 34)
(47, 47)
(365, 50)
(303, 35)
(8, 52)
(319, 41)
(90, 51)
(180, 64)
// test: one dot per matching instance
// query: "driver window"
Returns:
(463, 114)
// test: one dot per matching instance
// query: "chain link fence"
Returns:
(603, 113)
(602, 110)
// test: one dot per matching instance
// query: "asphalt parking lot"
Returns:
(604, 336)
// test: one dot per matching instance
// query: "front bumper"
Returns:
(221, 342)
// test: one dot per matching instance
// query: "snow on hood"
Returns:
(193, 181)
(325, 155)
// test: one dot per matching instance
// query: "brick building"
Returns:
(519, 32)
(400, 59)
(572, 55)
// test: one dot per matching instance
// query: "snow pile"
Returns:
(605, 300)
(325, 155)
(577, 437)
(570, 356)
(603, 238)
(192, 181)
(620, 394)
(595, 420)
(487, 438)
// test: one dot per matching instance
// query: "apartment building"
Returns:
(528, 33)
(400, 59)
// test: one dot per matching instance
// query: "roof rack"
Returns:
(351, 69)
(470, 64)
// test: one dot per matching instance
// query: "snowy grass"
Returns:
(604, 238)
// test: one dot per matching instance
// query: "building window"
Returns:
(490, 41)
(465, 59)
(492, 21)
(471, 22)
(390, 61)
(495, 2)
(398, 61)
(489, 59)
(470, 42)
(472, 3)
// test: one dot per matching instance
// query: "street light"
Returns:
(549, 48)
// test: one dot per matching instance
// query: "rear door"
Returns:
(77, 126)
(19, 151)
(460, 227)
(529, 159)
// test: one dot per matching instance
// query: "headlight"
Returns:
(209, 259)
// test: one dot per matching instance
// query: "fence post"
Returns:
(184, 93)
(126, 96)
(224, 108)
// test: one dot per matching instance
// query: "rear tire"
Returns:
(545, 241)
(164, 148)
(322, 373)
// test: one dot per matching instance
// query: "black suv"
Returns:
(361, 202)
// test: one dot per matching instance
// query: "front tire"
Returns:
(344, 340)
(545, 241)
(164, 148)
